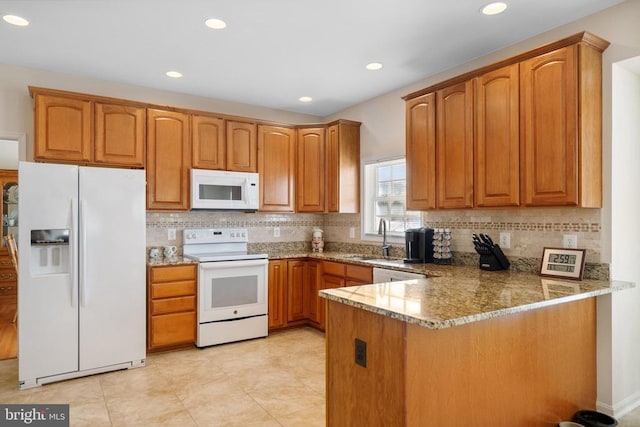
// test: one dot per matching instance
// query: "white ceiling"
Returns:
(272, 51)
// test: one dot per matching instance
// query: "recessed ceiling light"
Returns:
(174, 74)
(216, 24)
(16, 20)
(374, 66)
(494, 8)
(305, 99)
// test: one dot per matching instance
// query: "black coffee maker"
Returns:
(418, 245)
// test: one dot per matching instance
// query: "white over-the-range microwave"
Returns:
(215, 189)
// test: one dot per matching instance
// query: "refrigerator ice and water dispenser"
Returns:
(51, 250)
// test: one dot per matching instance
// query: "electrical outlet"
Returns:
(361, 353)
(505, 240)
(570, 241)
(352, 232)
(171, 234)
(276, 231)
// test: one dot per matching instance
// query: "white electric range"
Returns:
(232, 285)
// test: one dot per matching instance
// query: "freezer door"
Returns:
(112, 266)
(47, 288)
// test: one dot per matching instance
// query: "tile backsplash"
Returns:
(531, 230)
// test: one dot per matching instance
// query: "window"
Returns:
(385, 186)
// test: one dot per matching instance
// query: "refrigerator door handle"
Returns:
(83, 259)
(73, 256)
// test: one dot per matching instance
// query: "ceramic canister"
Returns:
(155, 254)
(170, 251)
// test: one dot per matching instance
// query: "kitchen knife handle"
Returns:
(73, 256)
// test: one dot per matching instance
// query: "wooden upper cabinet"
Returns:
(310, 192)
(168, 160)
(562, 127)
(276, 166)
(343, 167)
(62, 128)
(454, 146)
(208, 143)
(497, 138)
(242, 147)
(537, 136)
(421, 152)
(119, 134)
(549, 102)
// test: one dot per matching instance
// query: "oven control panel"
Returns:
(215, 235)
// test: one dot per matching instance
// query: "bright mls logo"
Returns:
(34, 415)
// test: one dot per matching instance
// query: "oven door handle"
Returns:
(239, 263)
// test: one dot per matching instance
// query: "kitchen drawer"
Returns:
(5, 262)
(173, 273)
(333, 268)
(173, 289)
(172, 329)
(173, 305)
(360, 273)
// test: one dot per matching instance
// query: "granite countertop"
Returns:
(463, 295)
(177, 260)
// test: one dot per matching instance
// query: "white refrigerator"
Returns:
(82, 271)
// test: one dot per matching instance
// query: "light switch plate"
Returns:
(171, 234)
(352, 232)
(276, 231)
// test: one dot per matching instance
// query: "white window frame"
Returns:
(369, 230)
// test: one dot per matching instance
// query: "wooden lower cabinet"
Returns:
(294, 285)
(171, 306)
(277, 294)
(339, 275)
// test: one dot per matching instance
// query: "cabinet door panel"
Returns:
(311, 170)
(119, 134)
(63, 129)
(169, 160)
(208, 142)
(343, 168)
(276, 166)
(497, 138)
(277, 293)
(421, 152)
(455, 146)
(314, 303)
(548, 111)
(296, 298)
(242, 147)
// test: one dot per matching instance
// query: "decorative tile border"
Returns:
(587, 227)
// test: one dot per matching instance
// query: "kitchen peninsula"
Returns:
(470, 348)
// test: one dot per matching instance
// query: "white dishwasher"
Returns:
(383, 275)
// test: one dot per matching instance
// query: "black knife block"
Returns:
(492, 259)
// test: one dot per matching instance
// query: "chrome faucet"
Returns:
(382, 229)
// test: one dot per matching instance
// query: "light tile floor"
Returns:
(278, 381)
